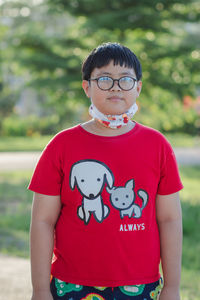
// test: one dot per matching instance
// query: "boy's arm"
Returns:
(169, 219)
(45, 212)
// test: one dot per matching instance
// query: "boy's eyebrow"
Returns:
(107, 73)
(103, 73)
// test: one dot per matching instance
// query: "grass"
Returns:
(190, 198)
(183, 140)
(15, 207)
(37, 143)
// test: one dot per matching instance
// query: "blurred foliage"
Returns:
(31, 125)
(45, 42)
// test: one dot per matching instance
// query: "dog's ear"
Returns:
(109, 190)
(72, 179)
(109, 178)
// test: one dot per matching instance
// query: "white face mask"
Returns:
(113, 121)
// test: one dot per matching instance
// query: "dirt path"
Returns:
(15, 282)
(188, 156)
(18, 160)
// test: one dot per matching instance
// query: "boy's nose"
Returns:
(116, 86)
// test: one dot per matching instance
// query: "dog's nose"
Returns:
(91, 196)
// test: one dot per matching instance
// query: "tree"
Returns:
(161, 33)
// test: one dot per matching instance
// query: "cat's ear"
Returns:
(130, 184)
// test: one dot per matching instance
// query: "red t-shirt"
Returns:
(107, 234)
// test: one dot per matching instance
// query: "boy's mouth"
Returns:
(115, 98)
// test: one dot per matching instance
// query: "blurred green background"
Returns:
(43, 43)
(42, 46)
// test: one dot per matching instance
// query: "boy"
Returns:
(106, 197)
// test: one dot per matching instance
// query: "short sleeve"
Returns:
(170, 181)
(47, 176)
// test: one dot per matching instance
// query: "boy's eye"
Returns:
(105, 78)
(126, 79)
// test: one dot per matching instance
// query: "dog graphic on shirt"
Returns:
(123, 199)
(90, 177)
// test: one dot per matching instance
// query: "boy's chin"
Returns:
(117, 111)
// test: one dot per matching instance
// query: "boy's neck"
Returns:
(95, 127)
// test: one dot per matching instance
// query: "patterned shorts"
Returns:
(67, 291)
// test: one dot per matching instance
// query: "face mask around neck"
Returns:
(113, 121)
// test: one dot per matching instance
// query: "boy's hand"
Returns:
(42, 295)
(169, 293)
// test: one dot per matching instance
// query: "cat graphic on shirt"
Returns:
(123, 199)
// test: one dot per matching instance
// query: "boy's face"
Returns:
(114, 101)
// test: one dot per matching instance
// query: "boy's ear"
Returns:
(139, 87)
(86, 87)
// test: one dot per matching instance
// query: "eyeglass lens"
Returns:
(125, 83)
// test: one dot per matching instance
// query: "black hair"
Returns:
(104, 53)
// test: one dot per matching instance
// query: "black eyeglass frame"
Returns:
(113, 82)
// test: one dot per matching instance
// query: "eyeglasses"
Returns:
(105, 83)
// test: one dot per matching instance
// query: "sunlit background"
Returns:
(43, 44)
